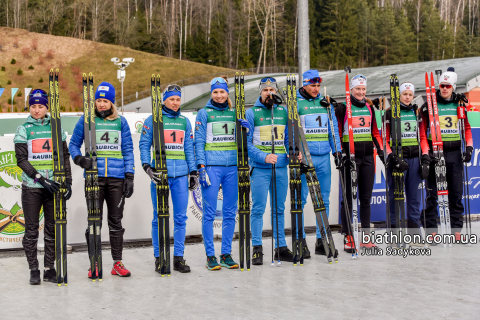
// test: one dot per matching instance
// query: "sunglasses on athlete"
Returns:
(445, 86)
(314, 80)
(217, 80)
(172, 87)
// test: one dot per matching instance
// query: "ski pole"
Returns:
(342, 183)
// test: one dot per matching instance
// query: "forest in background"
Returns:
(262, 33)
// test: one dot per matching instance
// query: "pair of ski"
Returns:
(59, 176)
(297, 140)
(397, 148)
(243, 172)
(92, 190)
(162, 189)
(440, 166)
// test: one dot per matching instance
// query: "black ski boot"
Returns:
(35, 277)
(50, 275)
(319, 249)
(306, 251)
(257, 256)
(180, 265)
(285, 254)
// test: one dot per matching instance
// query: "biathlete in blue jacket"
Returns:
(116, 167)
(180, 154)
(313, 112)
(216, 156)
(261, 161)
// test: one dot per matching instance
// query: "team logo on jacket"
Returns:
(261, 119)
(212, 117)
(32, 133)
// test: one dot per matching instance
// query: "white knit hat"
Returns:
(449, 77)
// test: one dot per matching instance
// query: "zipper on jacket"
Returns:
(106, 166)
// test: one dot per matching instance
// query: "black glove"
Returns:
(433, 160)
(338, 160)
(193, 181)
(333, 103)
(397, 163)
(376, 103)
(381, 155)
(68, 194)
(467, 155)
(271, 100)
(128, 185)
(154, 176)
(324, 103)
(49, 185)
(84, 162)
(425, 166)
(303, 168)
(461, 97)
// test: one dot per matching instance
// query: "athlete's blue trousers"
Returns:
(179, 193)
(262, 186)
(227, 177)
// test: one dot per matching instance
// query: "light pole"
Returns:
(121, 72)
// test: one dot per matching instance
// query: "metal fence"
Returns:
(206, 78)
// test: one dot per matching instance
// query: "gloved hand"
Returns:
(128, 185)
(49, 185)
(397, 163)
(467, 155)
(324, 103)
(154, 176)
(433, 160)
(204, 179)
(83, 162)
(272, 99)
(338, 160)
(461, 97)
(376, 102)
(333, 103)
(244, 123)
(303, 168)
(68, 194)
(193, 181)
(425, 166)
(381, 155)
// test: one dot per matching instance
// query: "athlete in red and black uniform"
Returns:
(365, 135)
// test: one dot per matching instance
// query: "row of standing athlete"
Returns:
(210, 157)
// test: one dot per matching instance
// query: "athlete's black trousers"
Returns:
(454, 164)
(366, 176)
(111, 191)
(32, 201)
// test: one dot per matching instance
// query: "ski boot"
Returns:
(257, 256)
(319, 249)
(212, 263)
(285, 254)
(119, 269)
(180, 265)
(50, 275)
(348, 245)
(35, 277)
(227, 261)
